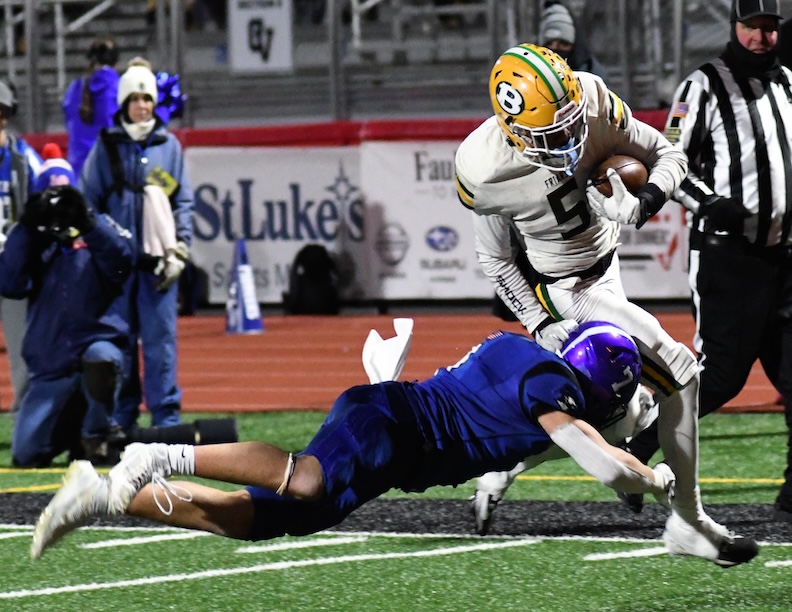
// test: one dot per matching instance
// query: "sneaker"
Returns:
(482, 505)
(720, 546)
(138, 465)
(634, 501)
(83, 495)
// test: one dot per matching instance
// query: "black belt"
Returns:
(700, 241)
(598, 269)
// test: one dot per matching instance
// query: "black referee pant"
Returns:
(742, 304)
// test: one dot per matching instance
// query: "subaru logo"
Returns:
(442, 238)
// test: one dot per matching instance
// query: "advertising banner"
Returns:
(653, 260)
(387, 210)
(419, 237)
(276, 200)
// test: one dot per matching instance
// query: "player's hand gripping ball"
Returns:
(631, 171)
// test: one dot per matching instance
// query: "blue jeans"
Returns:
(153, 318)
(55, 413)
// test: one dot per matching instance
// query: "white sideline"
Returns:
(282, 565)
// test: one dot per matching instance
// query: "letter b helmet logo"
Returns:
(509, 98)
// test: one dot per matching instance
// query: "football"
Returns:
(632, 172)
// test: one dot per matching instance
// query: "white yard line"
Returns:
(146, 540)
(263, 548)
(627, 554)
(14, 534)
(281, 565)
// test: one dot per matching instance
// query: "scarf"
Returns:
(139, 131)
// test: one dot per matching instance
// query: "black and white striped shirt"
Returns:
(734, 135)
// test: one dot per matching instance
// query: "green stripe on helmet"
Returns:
(542, 68)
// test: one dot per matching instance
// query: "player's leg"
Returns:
(138, 486)
(670, 369)
(195, 506)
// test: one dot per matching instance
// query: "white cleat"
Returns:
(482, 505)
(137, 468)
(82, 496)
(709, 541)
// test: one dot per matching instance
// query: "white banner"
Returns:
(262, 36)
(387, 210)
(419, 237)
(653, 260)
(277, 200)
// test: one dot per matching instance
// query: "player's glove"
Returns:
(724, 214)
(665, 481)
(623, 206)
(551, 335)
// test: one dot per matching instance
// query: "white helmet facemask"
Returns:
(557, 147)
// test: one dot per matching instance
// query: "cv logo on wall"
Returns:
(442, 238)
(392, 243)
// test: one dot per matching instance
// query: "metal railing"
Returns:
(639, 50)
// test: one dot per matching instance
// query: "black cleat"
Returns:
(736, 550)
(634, 501)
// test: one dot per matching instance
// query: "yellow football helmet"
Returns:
(540, 106)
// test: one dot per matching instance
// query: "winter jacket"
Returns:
(25, 166)
(103, 85)
(123, 200)
(73, 293)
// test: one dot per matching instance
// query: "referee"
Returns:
(728, 116)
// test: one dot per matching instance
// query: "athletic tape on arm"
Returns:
(592, 458)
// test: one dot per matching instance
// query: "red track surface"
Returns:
(304, 362)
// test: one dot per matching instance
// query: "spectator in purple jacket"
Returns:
(90, 101)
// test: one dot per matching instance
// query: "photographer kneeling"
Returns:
(71, 264)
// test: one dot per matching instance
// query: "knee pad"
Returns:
(100, 379)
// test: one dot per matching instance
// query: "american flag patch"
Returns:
(680, 110)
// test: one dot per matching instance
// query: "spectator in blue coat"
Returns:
(71, 264)
(135, 162)
(19, 166)
(90, 103)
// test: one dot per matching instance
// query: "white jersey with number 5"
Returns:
(549, 210)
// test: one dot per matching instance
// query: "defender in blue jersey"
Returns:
(506, 400)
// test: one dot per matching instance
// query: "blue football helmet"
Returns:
(608, 357)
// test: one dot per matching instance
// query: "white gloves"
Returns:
(664, 481)
(383, 360)
(172, 265)
(622, 206)
(553, 336)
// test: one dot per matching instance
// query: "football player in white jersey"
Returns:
(527, 167)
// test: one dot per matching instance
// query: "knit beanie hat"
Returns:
(55, 170)
(137, 79)
(556, 24)
(743, 10)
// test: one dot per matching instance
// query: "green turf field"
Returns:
(113, 568)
